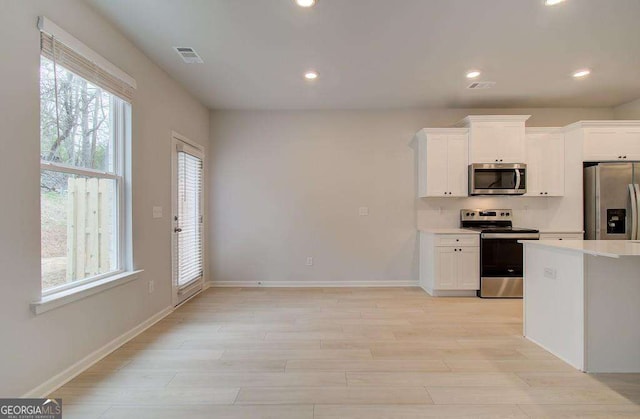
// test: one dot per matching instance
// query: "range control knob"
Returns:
(508, 214)
(502, 214)
(473, 213)
(468, 214)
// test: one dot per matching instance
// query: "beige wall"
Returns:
(287, 185)
(35, 348)
(629, 110)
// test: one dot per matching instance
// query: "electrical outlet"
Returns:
(550, 273)
(363, 211)
(309, 261)
(152, 286)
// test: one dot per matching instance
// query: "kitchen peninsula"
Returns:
(582, 302)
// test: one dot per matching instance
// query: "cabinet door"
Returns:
(497, 142)
(535, 158)
(602, 143)
(512, 145)
(561, 236)
(446, 268)
(545, 164)
(468, 277)
(485, 143)
(630, 143)
(552, 164)
(437, 170)
(457, 162)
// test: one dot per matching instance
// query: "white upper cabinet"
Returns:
(609, 140)
(442, 162)
(496, 138)
(545, 162)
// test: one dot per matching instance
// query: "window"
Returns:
(83, 128)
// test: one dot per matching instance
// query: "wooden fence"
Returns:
(90, 228)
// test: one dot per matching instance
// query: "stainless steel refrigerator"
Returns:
(612, 201)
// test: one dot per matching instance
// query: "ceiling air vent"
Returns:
(188, 55)
(481, 85)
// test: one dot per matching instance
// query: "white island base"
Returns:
(582, 302)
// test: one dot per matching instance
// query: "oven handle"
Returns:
(517, 179)
(519, 236)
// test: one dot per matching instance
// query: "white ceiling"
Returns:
(391, 53)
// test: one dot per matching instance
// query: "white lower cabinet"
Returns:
(449, 264)
(561, 236)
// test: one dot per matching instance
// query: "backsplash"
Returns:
(542, 213)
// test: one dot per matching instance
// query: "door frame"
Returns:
(194, 289)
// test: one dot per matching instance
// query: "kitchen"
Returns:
(593, 167)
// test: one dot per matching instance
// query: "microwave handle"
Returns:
(517, 179)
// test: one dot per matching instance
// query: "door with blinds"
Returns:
(188, 220)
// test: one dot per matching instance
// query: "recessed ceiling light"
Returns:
(473, 74)
(306, 3)
(552, 2)
(581, 73)
(311, 75)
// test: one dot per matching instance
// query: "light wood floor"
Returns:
(341, 353)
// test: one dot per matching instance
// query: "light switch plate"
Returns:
(157, 212)
(363, 211)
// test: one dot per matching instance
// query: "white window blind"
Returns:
(68, 58)
(189, 219)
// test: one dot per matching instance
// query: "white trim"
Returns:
(179, 141)
(583, 368)
(606, 123)
(47, 26)
(450, 293)
(57, 381)
(451, 131)
(76, 170)
(74, 284)
(313, 284)
(542, 130)
(184, 139)
(59, 299)
(465, 122)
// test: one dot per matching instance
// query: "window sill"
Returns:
(65, 297)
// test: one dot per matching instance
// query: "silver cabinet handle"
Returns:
(177, 230)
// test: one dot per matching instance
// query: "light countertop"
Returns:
(607, 248)
(448, 231)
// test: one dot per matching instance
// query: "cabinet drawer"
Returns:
(458, 240)
(561, 236)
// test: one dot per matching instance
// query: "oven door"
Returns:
(501, 264)
(497, 179)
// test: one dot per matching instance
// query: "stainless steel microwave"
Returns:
(497, 179)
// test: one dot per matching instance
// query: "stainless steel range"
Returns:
(501, 259)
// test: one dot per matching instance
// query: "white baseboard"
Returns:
(578, 367)
(57, 381)
(450, 293)
(312, 284)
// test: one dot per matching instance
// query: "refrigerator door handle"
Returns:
(636, 187)
(633, 195)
